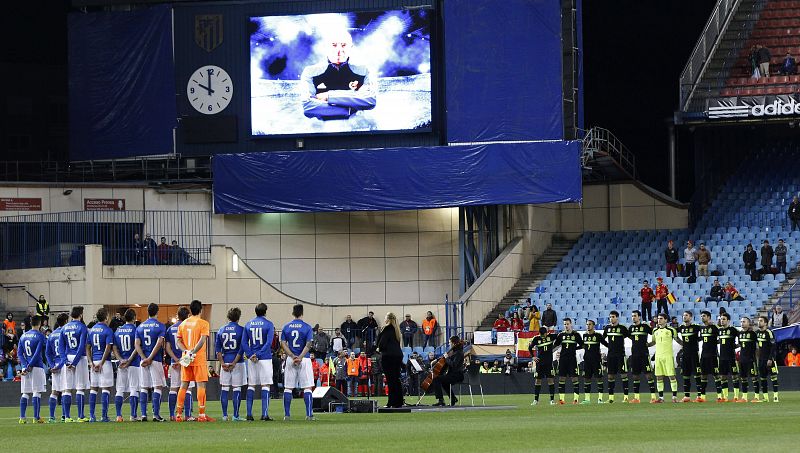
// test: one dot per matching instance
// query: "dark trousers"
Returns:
(428, 341)
(691, 270)
(408, 341)
(442, 384)
(672, 268)
(662, 306)
(795, 224)
(647, 311)
(391, 369)
(781, 267)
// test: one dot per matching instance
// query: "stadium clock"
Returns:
(209, 90)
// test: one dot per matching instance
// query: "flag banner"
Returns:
(505, 339)
(523, 341)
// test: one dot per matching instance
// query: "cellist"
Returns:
(454, 375)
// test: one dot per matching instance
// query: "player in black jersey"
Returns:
(747, 359)
(727, 357)
(592, 362)
(569, 341)
(615, 335)
(766, 364)
(640, 356)
(541, 349)
(709, 361)
(689, 363)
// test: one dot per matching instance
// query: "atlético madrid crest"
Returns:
(208, 31)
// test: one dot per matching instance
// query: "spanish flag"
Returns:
(671, 298)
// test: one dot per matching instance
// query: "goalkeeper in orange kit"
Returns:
(192, 339)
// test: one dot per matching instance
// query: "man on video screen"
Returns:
(336, 89)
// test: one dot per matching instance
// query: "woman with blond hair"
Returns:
(391, 358)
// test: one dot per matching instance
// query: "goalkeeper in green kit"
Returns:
(663, 336)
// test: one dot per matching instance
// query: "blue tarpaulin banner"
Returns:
(503, 70)
(787, 333)
(121, 83)
(397, 178)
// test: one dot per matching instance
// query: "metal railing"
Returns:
(58, 239)
(706, 44)
(601, 140)
(790, 296)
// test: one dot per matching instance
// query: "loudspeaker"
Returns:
(363, 406)
(324, 396)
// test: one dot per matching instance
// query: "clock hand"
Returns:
(210, 71)
(207, 88)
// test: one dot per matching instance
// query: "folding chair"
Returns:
(472, 376)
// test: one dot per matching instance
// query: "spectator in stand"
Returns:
(9, 323)
(778, 318)
(137, 254)
(534, 319)
(647, 295)
(661, 297)
(352, 375)
(408, 328)
(349, 329)
(10, 351)
(752, 58)
(716, 294)
(780, 256)
(325, 374)
(162, 251)
(338, 342)
(764, 56)
(549, 317)
(674, 322)
(364, 372)
(116, 321)
(516, 323)
(177, 255)
(766, 258)
(27, 322)
(485, 368)
(149, 249)
(340, 371)
(703, 260)
(792, 358)
(42, 307)
(368, 331)
(749, 257)
(731, 293)
(502, 324)
(526, 309)
(789, 66)
(516, 308)
(320, 342)
(690, 256)
(314, 368)
(496, 367)
(671, 255)
(509, 362)
(429, 329)
(794, 213)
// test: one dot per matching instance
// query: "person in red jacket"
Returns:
(661, 297)
(364, 372)
(516, 323)
(647, 301)
(502, 324)
(314, 368)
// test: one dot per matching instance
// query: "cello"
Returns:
(439, 367)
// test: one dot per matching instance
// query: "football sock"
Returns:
(612, 383)
(66, 404)
(660, 386)
(92, 402)
(718, 386)
(287, 402)
(764, 391)
(537, 388)
(134, 402)
(143, 402)
(118, 399)
(625, 385)
(172, 401)
(703, 385)
(673, 384)
(701, 390)
(552, 391)
(264, 401)
(223, 399)
(23, 405)
(775, 384)
(562, 385)
(37, 406)
(201, 400)
(308, 400)
(652, 383)
(736, 386)
(157, 403)
(53, 404)
(251, 395)
(79, 400)
(181, 399)
(237, 399)
(104, 401)
(687, 386)
(187, 407)
(636, 385)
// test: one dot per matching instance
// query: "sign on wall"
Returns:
(754, 107)
(103, 204)
(20, 204)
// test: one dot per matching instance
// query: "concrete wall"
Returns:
(619, 206)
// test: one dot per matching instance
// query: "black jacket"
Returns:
(749, 257)
(763, 55)
(408, 328)
(716, 291)
(766, 255)
(455, 363)
(780, 254)
(549, 317)
(671, 255)
(794, 210)
(388, 344)
(349, 329)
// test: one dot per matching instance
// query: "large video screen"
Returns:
(340, 73)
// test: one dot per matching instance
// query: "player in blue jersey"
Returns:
(101, 339)
(296, 339)
(257, 346)
(76, 374)
(173, 359)
(149, 341)
(232, 370)
(56, 357)
(32, 345)
(128, 366)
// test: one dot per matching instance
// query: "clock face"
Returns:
(210, 89)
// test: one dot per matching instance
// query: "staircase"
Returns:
(791, 278)
(529, 281)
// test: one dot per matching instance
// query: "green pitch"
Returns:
(618, 427)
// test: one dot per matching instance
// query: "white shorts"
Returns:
(104, 378)
(35, 381)
(57, 380)
(175, 378)
(301, 376)
(152, 376)
(236, 377)
(259, 373)
(78, 377)
(128, 380)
